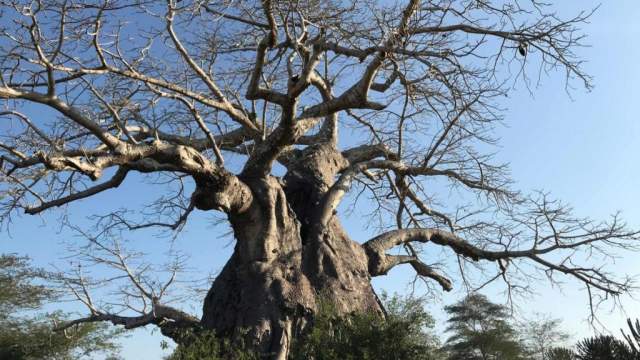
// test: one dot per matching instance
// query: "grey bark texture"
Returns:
(283, 262)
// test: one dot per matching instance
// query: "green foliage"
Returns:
(404, 334)
(604, 348)
(34, 338)
(16, 282)
(205, 345)
(481, 331)
(595, 348)
(559, 353)
(26, 337)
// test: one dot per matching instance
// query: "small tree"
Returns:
(541, 334)
(481, 330)
(25, 337)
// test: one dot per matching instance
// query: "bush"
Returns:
(604, 348)
(559, 353)
(205, 345)
(404, 334)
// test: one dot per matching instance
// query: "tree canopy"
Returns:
(28, 333)
(481, 330)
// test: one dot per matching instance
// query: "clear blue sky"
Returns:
(583, 149)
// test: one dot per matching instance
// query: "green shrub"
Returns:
(604, 348)
(404, 334)
(205, 345)
(559, 353)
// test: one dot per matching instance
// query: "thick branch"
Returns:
(367, 152)
(166, 318)
(589, 276)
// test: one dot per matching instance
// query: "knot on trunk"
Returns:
(377, 261)
(221, 192)
(319, 164)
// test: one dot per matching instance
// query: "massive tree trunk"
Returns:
(284, 261)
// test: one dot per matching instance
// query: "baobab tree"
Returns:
(242, 107)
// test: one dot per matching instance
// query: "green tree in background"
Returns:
(604, 347)
(541, 334)
(27, 334)
(481, 330)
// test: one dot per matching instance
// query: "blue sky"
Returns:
(583, 148)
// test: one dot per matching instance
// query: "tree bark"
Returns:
(284, 262)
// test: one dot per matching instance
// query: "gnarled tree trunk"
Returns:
(284, 260)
